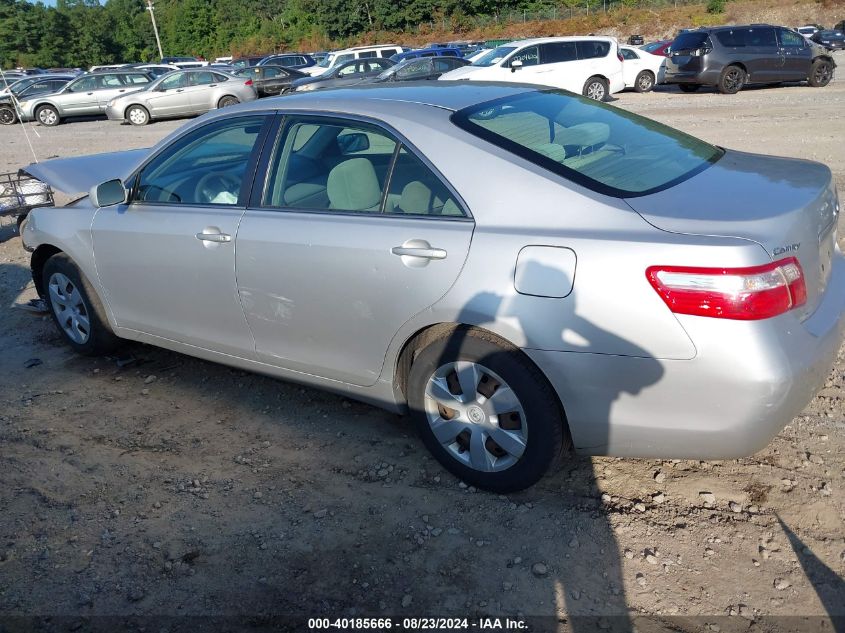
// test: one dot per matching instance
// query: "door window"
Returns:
(270, 72)
(135, 79)
(388, 52)
(86, 84)
(206, 166)
(111, 81)
(790, 39)
(555, 52)
(203, 78)
(173, 81)
(351, 69)
(416, 190)
(592, 49)
(444, 65)
(414, 68)
(627, 53)
(366, 54)
(528, 56)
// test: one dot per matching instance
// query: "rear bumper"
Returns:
(675, 75)
(747, 381)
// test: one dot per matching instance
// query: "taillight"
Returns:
(746, 294)
(248, 82)
(619, 56)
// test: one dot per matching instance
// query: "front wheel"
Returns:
(76, 309)
(138, 115)
(485, 411)
(821, 73)
(8, 116)
(731, 80)
(644, 81)
(48, 115)
(225, 102)
(596, 88)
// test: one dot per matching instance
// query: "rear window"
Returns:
(589, 49)
(689, 41)
(595, 145)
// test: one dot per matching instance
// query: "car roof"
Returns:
(567, 38)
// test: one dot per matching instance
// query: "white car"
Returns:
(807, 31)
(385, 51)
(642, 70)
(591, 66)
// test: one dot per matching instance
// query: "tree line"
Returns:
(79, 33)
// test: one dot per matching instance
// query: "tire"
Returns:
(137, 115)
(821, 72)
(76, 309)
(644, 81)
(8, 116)
(48, 115)
(227, 101)
(731, 80)
(689, 87)
(596, 88)
(533, 429)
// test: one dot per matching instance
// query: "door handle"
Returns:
(425, 253)
(214, 237)
(212, 85)
(123, 90)
(180, 89)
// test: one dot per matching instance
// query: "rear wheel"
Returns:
(137, 115)
(8, 116)
(596, 88)
(644, 81)
(821, 72)
(731, 80)
(485, 411)
(76, 309)
(225, 102)
(48, 115)
(689, 87)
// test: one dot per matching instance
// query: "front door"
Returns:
(170, 98)
(81, 96)
(167, 258)
(352, 237)
(797, 56)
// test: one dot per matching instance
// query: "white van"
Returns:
(357, 52)
(591, 66)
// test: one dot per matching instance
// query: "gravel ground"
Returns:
(169, 486)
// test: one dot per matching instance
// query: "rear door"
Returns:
(334, 254)
(201, 90)
(797, 55)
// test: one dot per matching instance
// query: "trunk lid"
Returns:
(788, 206)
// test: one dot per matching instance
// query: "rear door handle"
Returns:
(423, 252)
(214, 237)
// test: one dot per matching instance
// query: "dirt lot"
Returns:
(173, 487)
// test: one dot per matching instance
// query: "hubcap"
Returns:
(137, 115)
(822, 72)
(7, 117)
(48, 117)
(732, 79)
(476, 416)
(69, 308)
(596, 91)
(645, 82)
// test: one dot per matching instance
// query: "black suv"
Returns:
(730, 57)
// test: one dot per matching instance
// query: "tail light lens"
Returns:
(248, 82)
(619, 56)
(745, 294)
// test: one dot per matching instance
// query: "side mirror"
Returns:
(353, 142)
(516, 65)
(108, 193)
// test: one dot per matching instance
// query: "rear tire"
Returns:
(505, 443)
(689, 87)
(8, 116)
(227, 101)
(731, 80)
(48, 115)
(75, 308)
(644, 81)
(821, 72)
(596, 88)
(137, 115)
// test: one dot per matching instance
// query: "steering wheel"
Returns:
(213, 183)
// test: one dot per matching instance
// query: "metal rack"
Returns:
(20, 194)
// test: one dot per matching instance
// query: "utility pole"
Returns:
(151, 9)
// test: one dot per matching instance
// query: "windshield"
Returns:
(494, 56)
(595, 145)
(327, 61)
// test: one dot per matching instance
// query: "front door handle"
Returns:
(426, 253)
(214, 237)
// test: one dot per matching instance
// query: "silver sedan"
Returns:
(522, 270)
(181, 93)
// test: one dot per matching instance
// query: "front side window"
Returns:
(86, 84)
(350, 70)
(414, 68)
(600, 147)
(555, 52)
(206, 166)
(494, 57)
(528, 56)
(790, 38)
(592, 49)
(174, 81)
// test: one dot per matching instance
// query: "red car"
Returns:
(658, 48)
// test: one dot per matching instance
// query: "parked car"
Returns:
(356, 52)
(731, 57)
(831, 40)
(17, 85)
(595, 304)
(591, 66)
(157, 70)
(27, 89)
(807, 31)
(245, 62)
(658, 48)
(184, 62)
(437, 51)
(270, 80)
(426, 68)
(346, 73)
(641, 70)
(636, 40)
(181, 93)
(84, 96)
(297, 61)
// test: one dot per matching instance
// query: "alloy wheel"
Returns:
(48, 116)
(596, 91)
(476, 416)
(69, 308)
(823, 73)
(7, 116)
(733, 79)
(645, 82)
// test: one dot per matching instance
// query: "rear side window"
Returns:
(591, 49)
(757, 37)
(605, 149)
(366, 54)
(388, 52)
(555, 52)
(135, 79)
(112, 81)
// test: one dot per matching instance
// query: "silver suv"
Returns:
(84, 96)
